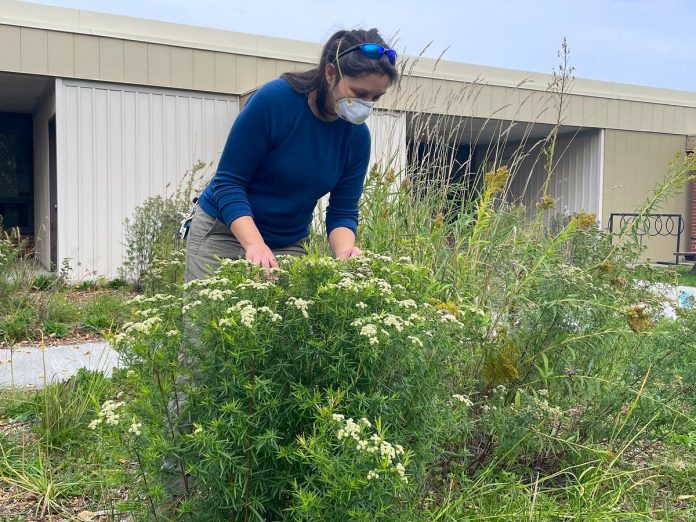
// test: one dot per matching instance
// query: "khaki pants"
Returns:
(207, 241)
(209, 238)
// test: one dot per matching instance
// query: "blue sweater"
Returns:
(280, 159)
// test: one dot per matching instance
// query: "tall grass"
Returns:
(565, 319)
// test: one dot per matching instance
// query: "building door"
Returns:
(16, 173)
(53, 194)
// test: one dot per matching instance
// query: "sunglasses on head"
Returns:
(371, 50)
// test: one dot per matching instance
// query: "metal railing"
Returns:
(650, 225)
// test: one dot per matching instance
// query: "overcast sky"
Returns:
(648, 42)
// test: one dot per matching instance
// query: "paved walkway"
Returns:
(33, 367)
(30, 366)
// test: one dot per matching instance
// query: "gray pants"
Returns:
(209, 239)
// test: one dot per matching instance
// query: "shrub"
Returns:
(280, 369)
(152, 230)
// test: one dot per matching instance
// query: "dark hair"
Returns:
(352, 64)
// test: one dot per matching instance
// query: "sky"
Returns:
(646, 42)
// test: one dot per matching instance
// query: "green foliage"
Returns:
(152, 230)
(55, 328)
(152, 233)
(275, 358)
(15, 326)
(63, 409)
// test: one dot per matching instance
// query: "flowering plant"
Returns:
(260, 355)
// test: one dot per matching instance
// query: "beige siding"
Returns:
(246, 74)
(84, 56)
(87, 56)
(203, 70)
(224, 72)
(11, 45)
(111, 60)
(182, 68)
(634, 163)
(61, 54)
(159, 65)
(34, 51)
(135, 62)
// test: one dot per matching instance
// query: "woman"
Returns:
(299, 137)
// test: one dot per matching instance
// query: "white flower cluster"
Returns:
(108, 414)
(214, 282)
(255, 285)
(190, 306)
(447, 317)
(215, 294)
(463, 399)
(155, 299)
(320, 262)
(415, 341)
(356, 282)
(301, 304)
(234, 262)
(361, 305)
(273, 316)
(368, 326)
(172, 333)
(407, 303)
(247, 314)
(541, 409)
(383, 286)
(135, 428)
(370, 331)
(374, 445)
(396, 322)
(143, 327)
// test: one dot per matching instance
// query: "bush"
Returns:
(280, 372)
(152, 231)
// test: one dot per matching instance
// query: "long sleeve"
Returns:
(247, 144)
(345, 196)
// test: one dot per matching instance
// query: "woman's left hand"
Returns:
(351, 252)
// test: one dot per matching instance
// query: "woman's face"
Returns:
(369, 87)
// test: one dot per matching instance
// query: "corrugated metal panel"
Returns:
(119, 145)
(574, 183)
(388, 131)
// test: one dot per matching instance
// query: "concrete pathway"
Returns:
(33, 367)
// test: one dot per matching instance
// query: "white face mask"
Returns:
(353, 110)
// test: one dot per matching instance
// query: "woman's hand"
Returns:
(260, 254)
(342, 242)
(351, 252)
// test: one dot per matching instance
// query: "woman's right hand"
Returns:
(260, 254)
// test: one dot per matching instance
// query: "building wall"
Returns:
(575, 181)
(239, 63)
(42, 229)
(118, 145)
(634, 163)
(90, 57)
